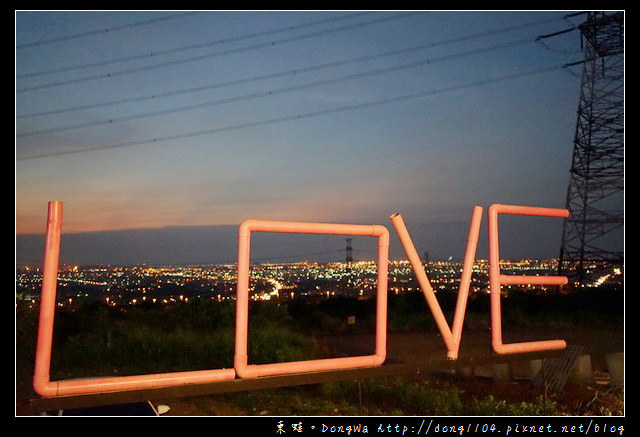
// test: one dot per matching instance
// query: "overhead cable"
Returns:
(296, 117)
(296, 71)
(157, 53)
(209, 55)
(100, 31)
(277, 91)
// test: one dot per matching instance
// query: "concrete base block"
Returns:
(501, 372)
(615, 364)
(535, 366)
(465, 372)
(581, 370)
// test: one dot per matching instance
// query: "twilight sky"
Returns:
(159, 130)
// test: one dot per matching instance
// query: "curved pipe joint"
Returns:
(44, 387)
(378, 359)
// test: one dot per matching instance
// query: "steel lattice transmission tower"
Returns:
(593, 234)
(349, 251)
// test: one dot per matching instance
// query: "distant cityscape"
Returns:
(146, 285)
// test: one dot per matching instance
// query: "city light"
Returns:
(144, 285)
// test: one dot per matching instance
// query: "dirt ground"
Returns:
(595, 396)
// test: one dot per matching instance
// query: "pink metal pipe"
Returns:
(423, 281)
(465, 279)
(241, 366)
(41, 377)
(496, 279)
(451, 339)
(135, 382)
(48, 301)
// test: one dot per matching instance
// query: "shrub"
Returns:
(490, 406)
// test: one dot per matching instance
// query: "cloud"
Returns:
(520, 237)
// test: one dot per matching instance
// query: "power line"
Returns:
(155, 54)
(287, 72)
(297, 116)
(100, 31)
(294, 88)
(210, 55)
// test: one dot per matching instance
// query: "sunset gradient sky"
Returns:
(152, 120)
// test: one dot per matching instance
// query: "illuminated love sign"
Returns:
(451, 336)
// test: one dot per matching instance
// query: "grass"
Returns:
(393, 396)
(99, 341)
